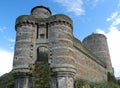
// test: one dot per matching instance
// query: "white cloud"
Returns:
(11, 40)
(97, 1)
(116, 22)
(73, 6)
(113, 37)
(6, 60)
(93, 2)
(100, 31)
(119, 3)
(113, 16)
(2, 28)
(114, 45)
(76, 6)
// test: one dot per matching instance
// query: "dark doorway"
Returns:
(42, 54)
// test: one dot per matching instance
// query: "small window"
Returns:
(42, 36)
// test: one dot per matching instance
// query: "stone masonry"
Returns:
(43, 35)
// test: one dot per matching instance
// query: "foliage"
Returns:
(43, 73)
(86, 84)
(7, 81)
(118, 81)
(113, 85)
(81, 83)
(111, 77)
(44, 76)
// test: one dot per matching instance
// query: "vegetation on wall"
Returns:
(42, 75)
(41, 79)
(7, 81)
(111, 77)
(112, 83)
(86, 84)
(118, 81)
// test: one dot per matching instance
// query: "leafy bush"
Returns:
(81, 83)
(7, 81)
(86, 84)
(113, 85)
(111, 77)
(118, 81)
(43, 75)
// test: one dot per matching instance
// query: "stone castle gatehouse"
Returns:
(43, 37)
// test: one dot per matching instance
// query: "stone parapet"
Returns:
(25, 20)
(60, 19)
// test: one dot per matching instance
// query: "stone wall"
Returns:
(97, 44)
(52, 35)
(88, 66)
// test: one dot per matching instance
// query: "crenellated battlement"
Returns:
(60, 19)
(25, 20)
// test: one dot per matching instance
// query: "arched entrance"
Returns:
(42, 54)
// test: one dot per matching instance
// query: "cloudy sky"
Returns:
(98, 16)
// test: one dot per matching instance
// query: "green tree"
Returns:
(7, 81)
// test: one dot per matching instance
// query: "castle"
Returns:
(43, 37)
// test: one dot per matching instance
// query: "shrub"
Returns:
(42, 73)
(7, 81)
(79, 83)
(111, 77)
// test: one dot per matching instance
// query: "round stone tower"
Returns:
(97, 43)
(29, 29)
(61, 44)
(41, 12)
(24, 50)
